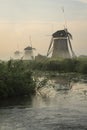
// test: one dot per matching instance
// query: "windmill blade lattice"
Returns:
(48, 52)
(73, 54)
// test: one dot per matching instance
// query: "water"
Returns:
(63, 107)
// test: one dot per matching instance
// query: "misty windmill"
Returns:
(60, 45)
(17, 53)
(28, 52)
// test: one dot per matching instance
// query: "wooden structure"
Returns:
(28, 53)
(60, 45)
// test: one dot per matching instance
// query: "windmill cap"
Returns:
(28, 48)
(60, 33)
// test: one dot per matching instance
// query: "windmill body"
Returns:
(28, 53)
(59, 46)
(17, 54)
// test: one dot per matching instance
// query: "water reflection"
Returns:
(54, 85)
(16, 102)
(62, 83)
(60, 90)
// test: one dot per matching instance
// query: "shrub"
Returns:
(16, 80)
(82, 68)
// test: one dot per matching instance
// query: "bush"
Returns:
(53, 66)
(16, 80)
(69, 65)
(82, 68)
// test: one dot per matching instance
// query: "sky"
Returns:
(38, 19)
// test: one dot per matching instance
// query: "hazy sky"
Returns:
(20, 19)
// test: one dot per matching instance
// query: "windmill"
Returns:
(60, 45)
(28, 52)
(17, 53)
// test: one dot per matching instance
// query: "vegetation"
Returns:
(61, 66)
(15, 79)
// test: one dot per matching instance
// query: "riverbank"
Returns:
(19, 78)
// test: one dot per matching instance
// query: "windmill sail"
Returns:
(30, 41)
(17, 53)
(48, 52)
(73, 54)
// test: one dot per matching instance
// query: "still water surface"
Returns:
(63, 107)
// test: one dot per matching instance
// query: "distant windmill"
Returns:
(28, 52)
(17, 53)
(60, 45)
